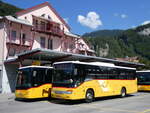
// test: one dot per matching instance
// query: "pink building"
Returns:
(37, 27)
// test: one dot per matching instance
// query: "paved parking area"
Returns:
(136, 103)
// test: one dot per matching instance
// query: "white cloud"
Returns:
(123, 16)
(146, 22)
(66, 20)
(92, 20)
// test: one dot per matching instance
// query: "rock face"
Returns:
(145, 32)
(103, 52)
(143, 29)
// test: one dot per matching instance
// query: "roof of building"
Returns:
(55, 56)
(13, 19)
(72, 35)
(40, 5)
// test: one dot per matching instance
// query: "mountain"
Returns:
(122, 44)
(144, 29)
(104, 33)
(7, 9)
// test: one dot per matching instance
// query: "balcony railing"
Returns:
(26, 42)
(48, 29)
(18, 41)
(13, 41)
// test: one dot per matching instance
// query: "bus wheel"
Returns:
(123, 92)
(89, 97)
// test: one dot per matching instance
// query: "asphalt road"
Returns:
(136, 103)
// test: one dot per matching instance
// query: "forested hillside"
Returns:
(7, 9)
(128, 43)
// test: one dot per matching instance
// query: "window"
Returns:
(50, 44)
(48, 76)
(71, 46)
(38, 76)
(12, 52)
(65, 45)
(43, 26)
(23, 38)
(36, 24)
(48, 26)
(49, 17)
(42, 42)
(13, 35)
(143, 78)
(43, 15)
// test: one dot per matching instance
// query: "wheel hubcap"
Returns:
(123, 94)
(89, 96)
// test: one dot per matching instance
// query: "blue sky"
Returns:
(90, 15)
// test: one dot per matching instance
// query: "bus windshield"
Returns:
(63, 73)
(24, 78)
(143, 78)
(67, 75)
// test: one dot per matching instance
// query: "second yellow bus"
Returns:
(75, 80)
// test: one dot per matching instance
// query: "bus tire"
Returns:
(89, 97)
(123, 92)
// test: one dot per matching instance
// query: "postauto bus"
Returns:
(75, 80)
(34, 82)
(143, 80)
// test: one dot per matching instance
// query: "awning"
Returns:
(55, 56)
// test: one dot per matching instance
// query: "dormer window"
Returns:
(43, 15)
(49, 17)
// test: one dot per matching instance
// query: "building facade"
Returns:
(37, 27)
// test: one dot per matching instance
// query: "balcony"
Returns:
(17, 41)
(26, 42)
(48, 29)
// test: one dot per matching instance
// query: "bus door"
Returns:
(79, 77)
(42, 81)
(48, 82)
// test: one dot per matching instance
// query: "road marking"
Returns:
(145, 111)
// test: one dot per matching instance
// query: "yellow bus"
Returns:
(34, 82)
(75, 80)
(143, 80)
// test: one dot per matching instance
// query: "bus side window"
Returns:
(80, 73)
(75, 71)
(34, 74)
(48, 76)
(38, 77)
